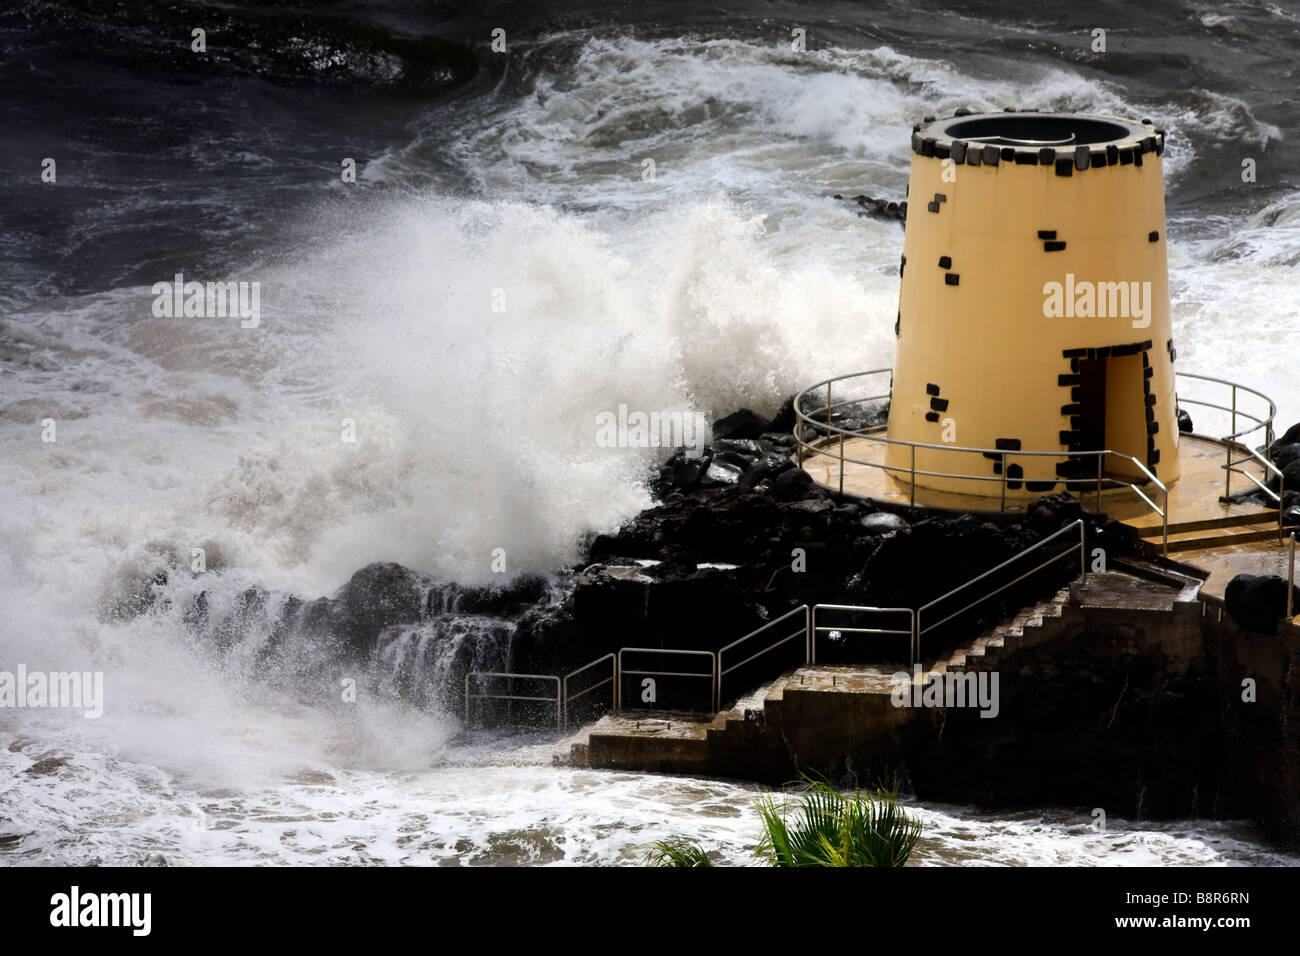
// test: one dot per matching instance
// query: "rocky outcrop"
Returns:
(1258, 602)
(880, 208)
(741, 536)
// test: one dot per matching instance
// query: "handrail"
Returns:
(1266, 423)
(805, 631)
(1078, 524)
(1279, 496)
(911, 631)
(623, 672)
(570, 698)
(818, 419)
(511, 676)
(810, 630)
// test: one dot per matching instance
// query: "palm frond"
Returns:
(834, 829)
(677, 853)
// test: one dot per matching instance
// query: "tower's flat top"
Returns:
(1034, 130)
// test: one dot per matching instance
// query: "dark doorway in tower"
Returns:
(1112, 414)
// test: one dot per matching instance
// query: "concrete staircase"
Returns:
(684, 743)
(1230, 529)
(1032, 625)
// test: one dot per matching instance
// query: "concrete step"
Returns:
(1026, 624)
(1218, 537)
(1204, 524)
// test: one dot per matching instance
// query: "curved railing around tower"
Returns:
(816, 435)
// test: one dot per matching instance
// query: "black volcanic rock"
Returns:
(882, 522)
(880, 208)
(1258, 602)
(378, 596)
(1284, 455)
(784, 420)
(792, 485)
(740, 424)
(1290, 437)
(766, 468)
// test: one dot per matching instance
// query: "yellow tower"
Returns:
(1034, 303)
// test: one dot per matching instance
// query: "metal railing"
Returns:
(829, 436)
(830, 432)
(801, 622)
(1290, 580)
(510, 695)
(568, 698)
(1236, 412)
(920, 630)
(857, 609)
(1235, 441)
(781, 638)
(623, 672)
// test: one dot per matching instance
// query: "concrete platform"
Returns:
(1220, 539)
(1193, 498)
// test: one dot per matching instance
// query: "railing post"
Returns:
(841, 463)
(916, 638)
(1164, 526)
(1227, 467)
(1083, 555)
(807, 636)
(1290, 581)
(1227, 471)
(1234, 408)
(1002, 506)
(1100, 456)
(812, 637)
(913, 482)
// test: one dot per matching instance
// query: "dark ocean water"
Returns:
(170, 159)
